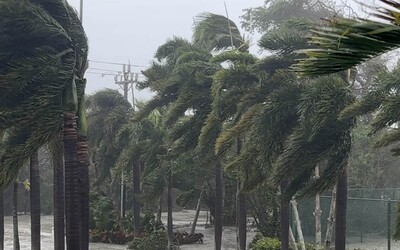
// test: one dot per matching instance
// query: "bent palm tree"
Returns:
(41, 64)
(345, 43)
(35, 200)
(182, 63)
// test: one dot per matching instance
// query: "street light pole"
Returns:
(81, 11)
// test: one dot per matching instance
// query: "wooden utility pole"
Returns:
(126, 81)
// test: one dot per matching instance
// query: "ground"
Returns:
(181, 223)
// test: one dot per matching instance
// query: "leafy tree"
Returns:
(41, 65)
(346, 43)
(180, 64)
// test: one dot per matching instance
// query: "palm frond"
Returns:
(283, 41)
(345, 43)
(388, 138)
(225, 139)
(214, 32)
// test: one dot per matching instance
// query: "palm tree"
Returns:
(50, 58)
(345, 43)
(1, 201)
(56, 150)
(143, 142)
(15, 216)
(108, 112)
(1, 221)
(35, 200)
(179, 61)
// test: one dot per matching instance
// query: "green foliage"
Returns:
(265, 243)
(103, 215)
(36, 68)
(156, 240)
(345, 43)
(149, 223)
(275, 13)
(114, 237)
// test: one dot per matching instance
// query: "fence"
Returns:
(371, 214)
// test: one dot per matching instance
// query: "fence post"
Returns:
(362, 217)
(389, 223)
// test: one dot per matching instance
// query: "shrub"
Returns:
(260, 242)
(266, 243)
(157, 240)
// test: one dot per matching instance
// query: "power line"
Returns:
(116, 63)
(109, 70)
(102, 74)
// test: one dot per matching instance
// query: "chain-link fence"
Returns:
(371, 214)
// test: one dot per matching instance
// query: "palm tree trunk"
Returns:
(83, 164)
(331, 220)
(35, 201)
(15, 217)
(196, 217)
(242, 220)
(341, 209)
(72, 207)
(292, 239)
(58, 189)
(136, 202)
(317, 214)
(2, 221)
(219, 204)
(284, 211)
(159, 212)
(241, 204)
(298, 224)
(169, 207)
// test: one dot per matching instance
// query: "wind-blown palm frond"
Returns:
(234, 56)
(283, 42)
(383, 97)
(225, 139)
(344, 43)
(317, 136)
(37, 60)
(173, 49)
(216, 32)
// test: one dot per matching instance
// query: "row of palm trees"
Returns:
(213, 99)
(220, 98)
(218, 95)
(43, 59)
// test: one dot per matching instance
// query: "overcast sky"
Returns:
(122, 30)
(131, 30)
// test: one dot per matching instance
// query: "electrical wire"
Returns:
(108, 70)
(116, 63)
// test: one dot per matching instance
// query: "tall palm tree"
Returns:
(143, 142)
(44, 69)
(16, 245)
(56, 150)
(35, 200)
(108, 112)
(1, 201)
(344, 43)
(1, 221)
(181, 61)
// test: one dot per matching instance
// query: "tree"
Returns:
(16, 245)
(56, 151)
(346, 43)
(44, 63)
(180, 63)
(35, 201)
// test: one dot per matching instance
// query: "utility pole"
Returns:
(126, 82)
(81, 11)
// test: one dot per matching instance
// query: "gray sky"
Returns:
(122, 30)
